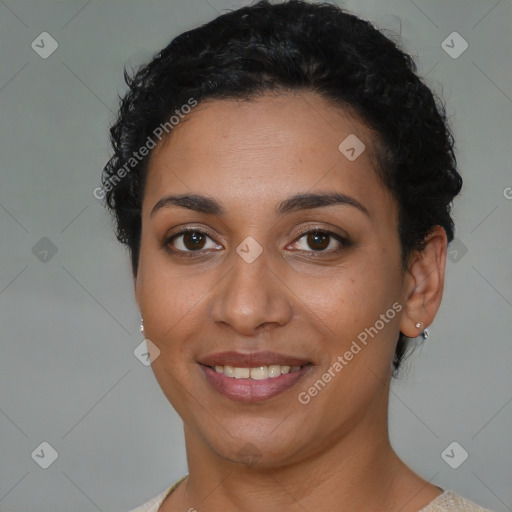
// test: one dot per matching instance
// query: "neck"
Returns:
(359, 470)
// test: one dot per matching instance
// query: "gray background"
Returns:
(69, 323)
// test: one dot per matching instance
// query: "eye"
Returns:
(190, 240)
(321, 241)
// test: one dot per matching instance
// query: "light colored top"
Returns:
(448, 501)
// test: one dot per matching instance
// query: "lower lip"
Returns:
(250, 390)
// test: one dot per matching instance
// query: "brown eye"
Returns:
(318, 240)
(194, 240)
(190, 241)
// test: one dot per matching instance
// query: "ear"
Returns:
(424, 283)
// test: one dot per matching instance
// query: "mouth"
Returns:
(253, 377)
(271, 371)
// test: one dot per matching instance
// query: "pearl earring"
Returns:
(424, 334)
(142, 325)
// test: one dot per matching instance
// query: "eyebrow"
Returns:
(309, 201)
(306, 201)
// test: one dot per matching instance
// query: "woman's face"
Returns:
(267, 280)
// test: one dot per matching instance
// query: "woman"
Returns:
(283, 180)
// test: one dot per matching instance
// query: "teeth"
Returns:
(274, 370)
(229, 371)
(259, 373)
(256, 373)
(242, 373)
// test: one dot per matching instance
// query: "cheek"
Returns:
(172, 304)
(165, 295)
(362, 312)
(351, 299)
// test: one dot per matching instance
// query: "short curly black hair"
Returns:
(293, 46)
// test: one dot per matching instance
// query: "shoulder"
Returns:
(154, 503)
(450, 501)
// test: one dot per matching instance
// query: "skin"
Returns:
(250, 156)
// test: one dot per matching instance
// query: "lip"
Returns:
(249, 390)
(251, 360)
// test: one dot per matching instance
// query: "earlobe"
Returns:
(424, 283)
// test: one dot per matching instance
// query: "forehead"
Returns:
(268, 148)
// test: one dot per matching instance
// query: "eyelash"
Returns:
(344, 242)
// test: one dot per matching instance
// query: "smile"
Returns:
(252, 377)
(257, 373)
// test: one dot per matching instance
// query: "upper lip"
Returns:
(251, 360)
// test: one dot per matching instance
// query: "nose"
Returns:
(252, 299)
